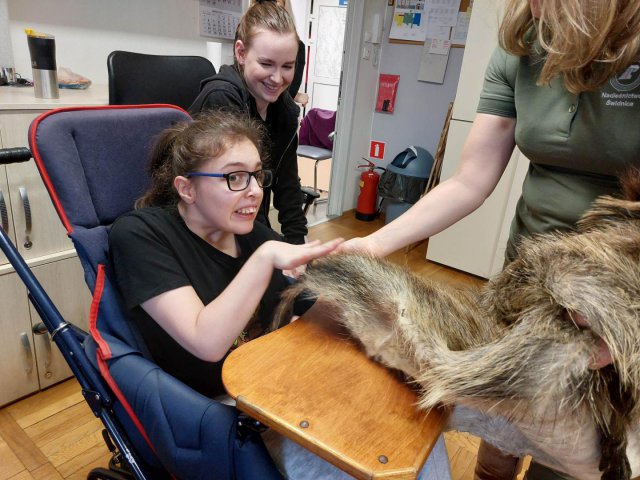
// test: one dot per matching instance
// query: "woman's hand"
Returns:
(285, 256)
(362, 245)
(602, 356)
(302, 98)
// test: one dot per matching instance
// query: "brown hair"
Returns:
(265, 15)
(585, 42)
(185, 146)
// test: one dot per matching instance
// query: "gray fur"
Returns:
(505, 355)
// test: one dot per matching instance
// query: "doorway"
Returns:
(325, 47)
(324, 39)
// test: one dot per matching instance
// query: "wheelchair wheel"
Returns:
(106, 474)
(118, 468)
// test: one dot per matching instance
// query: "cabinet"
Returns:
(29, 361)
(476, 243)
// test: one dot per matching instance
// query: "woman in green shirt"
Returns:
(564, 86)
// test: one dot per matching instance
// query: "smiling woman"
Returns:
(265, 51)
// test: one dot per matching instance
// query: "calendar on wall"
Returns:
(220, 18)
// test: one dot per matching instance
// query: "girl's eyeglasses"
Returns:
(238, 181)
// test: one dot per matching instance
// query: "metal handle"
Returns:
(41, 330)
(4, 214)
(26, 350)
(14, 155)
(27, 217)
(47, 356)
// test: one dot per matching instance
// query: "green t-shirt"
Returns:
(577, 144)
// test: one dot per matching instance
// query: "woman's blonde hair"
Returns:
(184, 147)
(266, 15)
(586, 42)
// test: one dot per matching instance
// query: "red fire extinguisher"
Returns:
(367, 207)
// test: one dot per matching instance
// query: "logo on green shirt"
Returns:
(628, 80)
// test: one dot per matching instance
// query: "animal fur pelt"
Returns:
(506, 356)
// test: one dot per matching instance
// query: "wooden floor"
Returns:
(53, 434)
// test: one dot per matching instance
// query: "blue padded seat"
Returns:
(93, 162)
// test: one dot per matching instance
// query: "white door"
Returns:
(6, 218)
(38, 231)
(18, 368)
(64, 283)
(325, 50)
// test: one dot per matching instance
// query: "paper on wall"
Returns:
(433, 66)
(459, 34)
(442, 12)
(219, 18)
(439, 46)
(437, 31)
(409, 21)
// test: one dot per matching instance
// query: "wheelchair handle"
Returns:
(14, 155)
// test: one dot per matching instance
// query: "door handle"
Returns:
(27, 217)
(4, 214)
(26, 350)
(41, 330)
(47, 356)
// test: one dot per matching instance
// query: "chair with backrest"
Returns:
(139, 78)
(316, 138)
(93, 162)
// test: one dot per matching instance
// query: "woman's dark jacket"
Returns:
(294, 88)
(227, 89)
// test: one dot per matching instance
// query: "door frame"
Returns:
(346, 107)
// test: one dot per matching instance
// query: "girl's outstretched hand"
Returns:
(285, 256)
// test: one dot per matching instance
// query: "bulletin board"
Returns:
(464, 5)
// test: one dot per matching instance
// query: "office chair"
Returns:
(316, 139)
(138, 78)
(93, 163)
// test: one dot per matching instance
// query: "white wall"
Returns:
(6, 52)
(87, 31)
(298, 10)
(420, 108)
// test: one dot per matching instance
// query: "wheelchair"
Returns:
(93, 163)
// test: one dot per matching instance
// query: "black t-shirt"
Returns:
(152, 251)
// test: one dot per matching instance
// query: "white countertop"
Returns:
(23, 98)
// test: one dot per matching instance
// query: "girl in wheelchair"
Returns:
(191, 260)
(197, 274)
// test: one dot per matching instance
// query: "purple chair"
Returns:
(315, 139)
